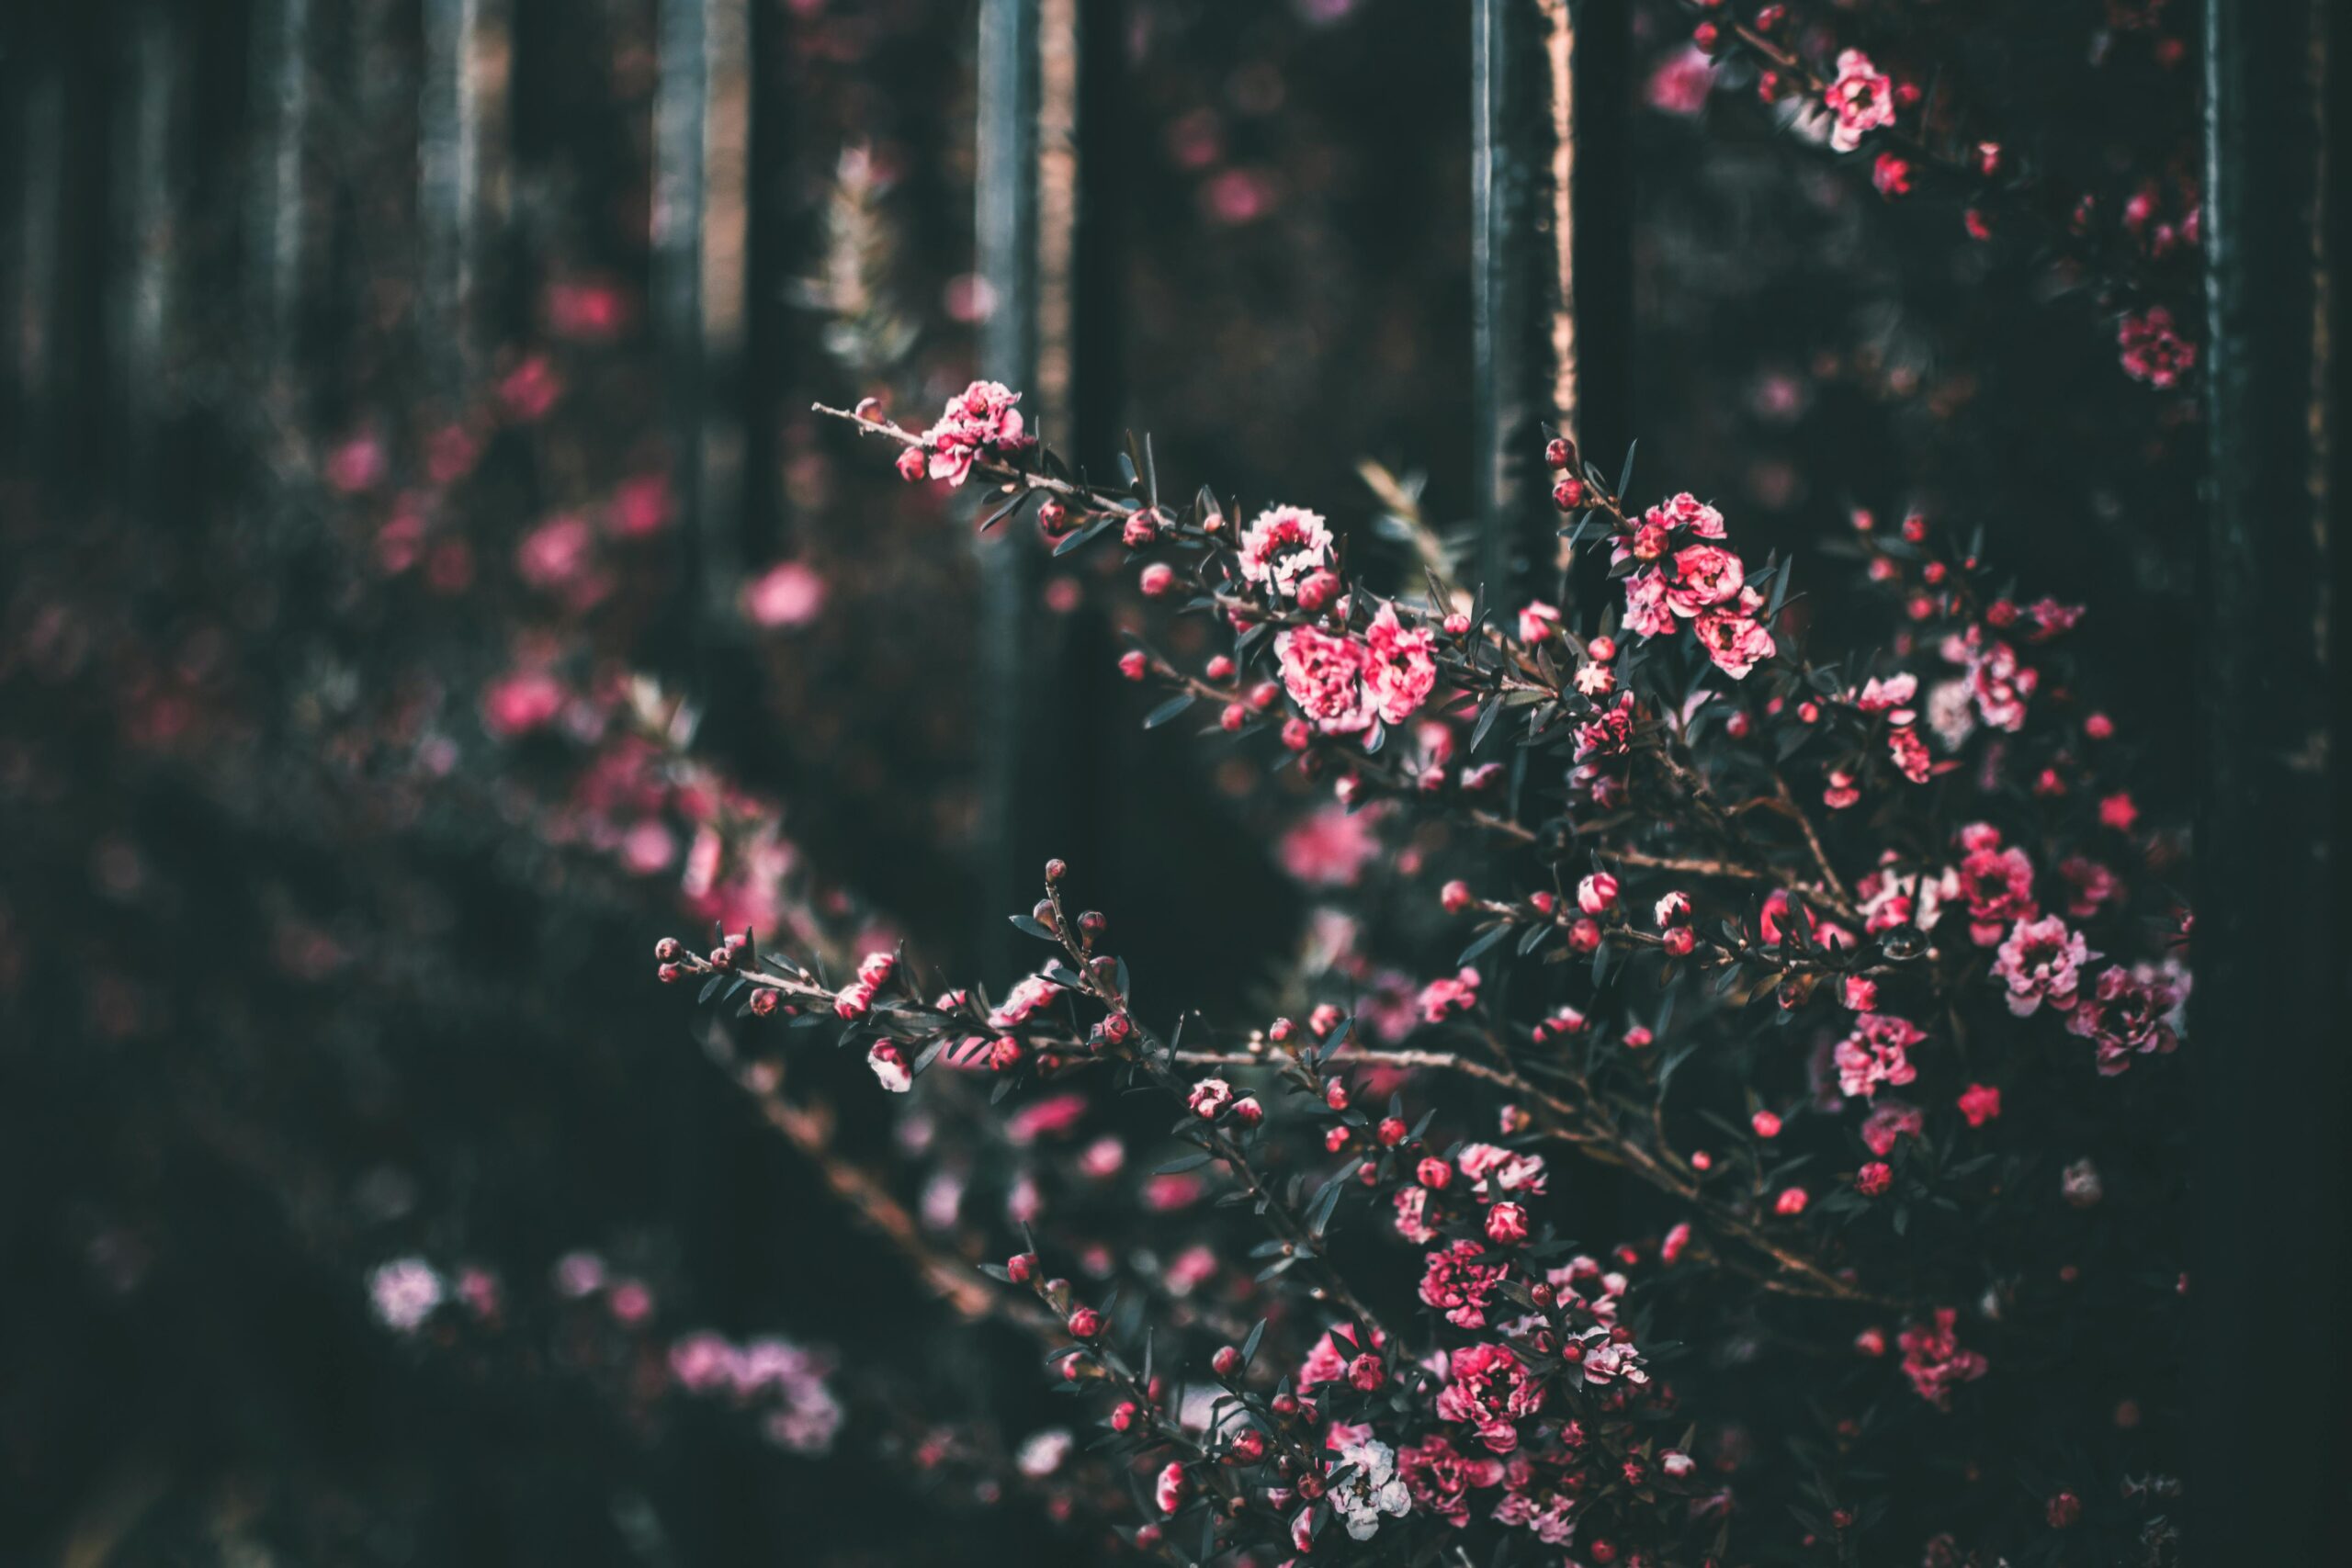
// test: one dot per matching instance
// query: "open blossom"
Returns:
(1910, 753)
(2152, 350)
(1891, 898)
(890, 1065)
(2041, 961)
(1881, 696)
(1890, 1121)
(2128, 1012)
(1737, 643)
(1373, 1490)
(1401, 667)
(1934, 1362)
(1488, 1167)
(1284, 547)
(404, 1292)
(1412, 1203)
(1027, 996)
(1458, 1284)
(1442, 998)
(1440, 1477)
(1489, 1389)
(1876, 1053)
(1608, 733)
(1704, 575)
(2000, 685)
(1329, 679)
(980, 421)
(1861, 99)
(1996, 882)
(1606, 1360)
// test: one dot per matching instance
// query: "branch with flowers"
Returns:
(1889, 116)
(1800, 946)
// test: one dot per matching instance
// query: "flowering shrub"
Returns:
(1771, 1049)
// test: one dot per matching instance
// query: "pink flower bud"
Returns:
(1156, 580)
(1597, 894)
(912, 465)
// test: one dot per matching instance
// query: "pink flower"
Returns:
(890, 1065)
(2000, 685)
(1442, 998)
(1506, 1223)
(2041, 961)
(1997, 884)
(1209, 1097)
(1737, 643)
(2152, 350)
(1648, 611)
(1329, 848)
(1170, 1491)
(1861, 99)
(1284, 547)
(1458, 1284)
(1490, 1390)
(1412, 1203)
(1875, 1053)
(356, 465)
(1488, 1167)
(404, 1292)
(1980, 1103)
(554, 553)
(1680, 84)
(1537, 621)
(1888, 1121)
(1934, 1362)
(1027, 996)
(1402, 670)
(979, 423)
(788, 593)
(1910, 753)
(1894, 691)
(2128, 1013)
(1609, 733)
(1704, 575)
(1685, 512)
(520, 703)
(1440, 1477)
(1326, 676)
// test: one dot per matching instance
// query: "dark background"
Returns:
(303, 967)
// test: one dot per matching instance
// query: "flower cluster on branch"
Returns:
(1776, 1025)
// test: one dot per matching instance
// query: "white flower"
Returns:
(1044, 1452)
(406, 1292)
(1374, 1489)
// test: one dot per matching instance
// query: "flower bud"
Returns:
(1085, 1322)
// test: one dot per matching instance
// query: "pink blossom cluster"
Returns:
(1686, 575)
(787, 1382)
(979, 423)
(1344, 683)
